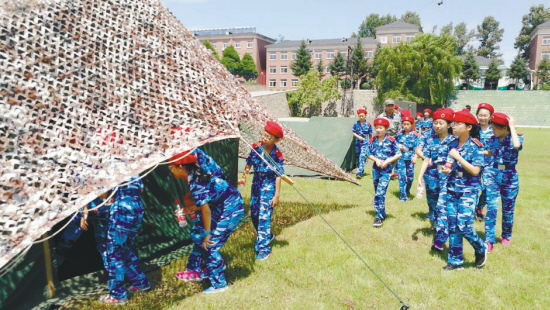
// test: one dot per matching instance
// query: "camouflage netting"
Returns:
(90, 91)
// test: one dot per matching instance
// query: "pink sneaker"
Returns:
(506, 242)
(189, 276)
(489, 246)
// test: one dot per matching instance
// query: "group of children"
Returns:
(463, 156)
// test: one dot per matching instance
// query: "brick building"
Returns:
(280, 55)
(243, 39)
(539, 46)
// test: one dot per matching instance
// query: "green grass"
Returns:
(310, 268)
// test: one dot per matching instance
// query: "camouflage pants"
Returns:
(124, 222)
(431, 181)
(69, 237)
(461, 208)
(381, 180)
(361, 153)
(504, 185)
(261, 210)
(224, 220)
(483, 195)
(405, 170)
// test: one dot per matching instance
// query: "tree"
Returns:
(320, 68)
(543, 71)
(538, 14)
(447, 29)
(249, 71)
(463, 37)
(470, 69)
(421, 71)
(518, 70)
(368, 26)
(210, 47)
(411, 18)
(313, 92)
(231, 60)
(338, 65)
(489, 35)
(302, 64)
(359, 63)
(492, 75)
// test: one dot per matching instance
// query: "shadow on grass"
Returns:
(372, 213)
(426, 231)
(238, 254)
(420, 215)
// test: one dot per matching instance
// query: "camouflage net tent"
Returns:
(90, 94)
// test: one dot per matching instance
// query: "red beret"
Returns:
(182, 158)
(419, 114)
(361, 111)
(446, 114)
(396, 107)
(486, 106)
(382, 121)
(465, 116)
(274, 129)
(428, 110)
(408, 118)
(405, 112)
(500, 118)
(188, 200)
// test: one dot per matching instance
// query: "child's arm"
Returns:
(206, 221)
(275, 200)
(515, 140)
(474, 170)
(425, 164)
(245, 173)
(357, 136)
(84, 219)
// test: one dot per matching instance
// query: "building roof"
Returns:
(322, 42)
(398, 24)
(544, 25)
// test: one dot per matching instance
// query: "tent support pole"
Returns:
(48, 261)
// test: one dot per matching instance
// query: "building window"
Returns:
(545, 40)
(284, 56)
(214, 45)
(237, 44)
(284, 69)
(294, 83)
(272, 56)
(294, 56)
(249, 44)
(330, 55)
(272, 70)
(396, 39)
(344, 54)
(272, 83)
(368, 54)
(545, 55)
(283, 83)
(318, 55)
(409, 38)
(327, 70)
(225, 45)
(383, 39)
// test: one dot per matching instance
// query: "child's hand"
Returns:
(445, 170)
(206, 242)
(242, 181)
(413, 160)
(511, 121)
(384, 164)
(454, 154)
(379, 163)
(84, 222)
(275, 201)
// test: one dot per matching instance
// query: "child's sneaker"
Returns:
(505, 242)
(134, 289)
(272, 237)
(479, 214)
(212, 290)
(189, 276)
(489, 246)
(377, 223)
(437, 246)
(262, 256)
(453, 267)
(106, 299)
(481, 258)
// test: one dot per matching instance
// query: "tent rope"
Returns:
(404, 306)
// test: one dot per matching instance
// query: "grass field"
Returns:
(310, 268)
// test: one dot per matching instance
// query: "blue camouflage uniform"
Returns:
(504, 183)
(405, 167)
(263, 191)
(462, 192)
(124, 221)
(226, 207)
(381, 176)
(208, 164)
(66, 241)
(427, 127)
(417, 126)
(436, 182)
(363, 130)
(484, 137)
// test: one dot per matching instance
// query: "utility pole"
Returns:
(347, 103)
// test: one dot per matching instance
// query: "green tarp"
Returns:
(159, 241)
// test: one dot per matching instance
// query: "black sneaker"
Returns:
(377, 223)
(481, 258)
(453, 267)
(479, 215)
